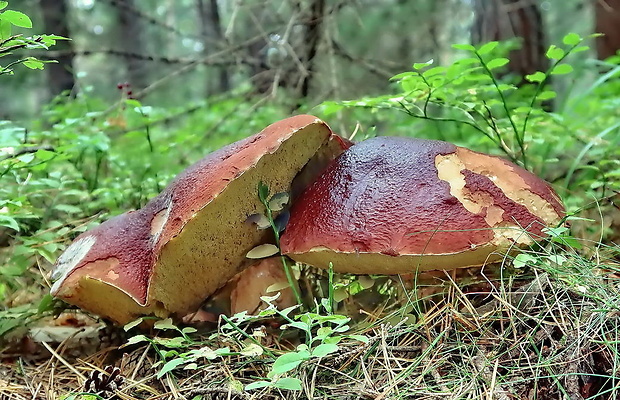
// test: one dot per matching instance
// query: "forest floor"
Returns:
(549, 329)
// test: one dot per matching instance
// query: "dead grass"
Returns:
(551, 332)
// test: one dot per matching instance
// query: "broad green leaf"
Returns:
(536, 77)
(396, 77)
(45, 304)
(16, 18)
(9, 222)
(365, 281)
(137, 339)
(434, 71)
(466, 47)
(33, 63)
(554, 52)
(258, 385)
(170, 365)
(165, 324)
(547, 95)
(487, 47)
(562, 69)
(497, 62)
(579, 49)
(5, 29)
(3, 4)
(571, 39)
(522, 260)
(324, 349)
(418, 66)
(361, 338)
(288, 384)
(287, 362)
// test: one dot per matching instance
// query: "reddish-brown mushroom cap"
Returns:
(189, 240)
(395, 205)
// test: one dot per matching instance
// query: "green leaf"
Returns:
(554, 52)
(466, 47)
(137, 339)
(258, 385)
(132, 324)
(579, 49)
(487, 47)
(547, 95)
(9, 222)
(287, 362)
(5, 29)
(522, 260)
(288, 384)
(16, 18)
(165, 324)
(361, 338)
(324, 349)
(562, 69)
(3, 4)
(418, 66)
(33, 63)
(497, 62)
(45, 304)
(536, 77)
(263, 192)
(571, 39)
(170, 365)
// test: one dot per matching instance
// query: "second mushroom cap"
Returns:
(393, 205)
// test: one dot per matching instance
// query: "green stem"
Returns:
(520, 140)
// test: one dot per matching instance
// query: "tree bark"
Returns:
(313, 38)
(212, 37)
(59, 75)
(607, 13)
(507, 19)
(130, 31)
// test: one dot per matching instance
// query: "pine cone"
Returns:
(104, 383)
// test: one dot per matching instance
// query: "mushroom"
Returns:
(188, 241)
(393, 205)
(264, 278)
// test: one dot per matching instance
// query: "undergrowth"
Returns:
(542, 325)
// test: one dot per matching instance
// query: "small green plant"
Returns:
(468, 92)
(322, 331)
(271, 204)
(10, 43)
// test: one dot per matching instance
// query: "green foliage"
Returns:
(9, 43)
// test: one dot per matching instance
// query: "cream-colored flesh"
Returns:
(212, 246)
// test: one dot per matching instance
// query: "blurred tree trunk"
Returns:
(130, 32)
(59, 75)
(608, 23)
(312, 39)
(507, 19)
(212, 38)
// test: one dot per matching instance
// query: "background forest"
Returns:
(145, 88)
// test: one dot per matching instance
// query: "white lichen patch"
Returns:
(70, 259)
(159, 221)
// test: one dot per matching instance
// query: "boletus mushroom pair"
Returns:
(387, 205)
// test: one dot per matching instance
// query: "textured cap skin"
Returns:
(393, 205)
(144, 254)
